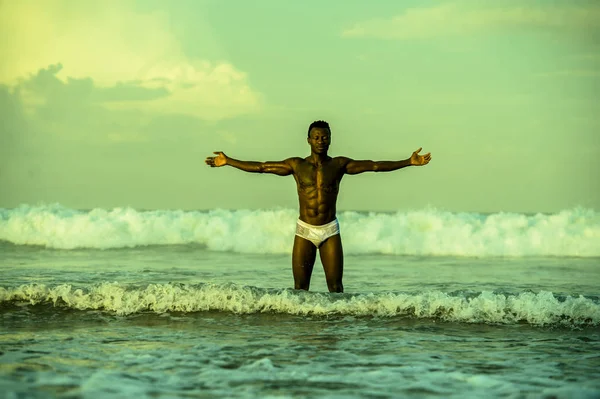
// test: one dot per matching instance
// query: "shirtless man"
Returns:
(318, 179)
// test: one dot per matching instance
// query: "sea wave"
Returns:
(574, 232)
(538, 309)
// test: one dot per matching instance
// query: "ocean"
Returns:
(127, 303)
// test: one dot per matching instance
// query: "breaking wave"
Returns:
(539, 309)
(574, 232)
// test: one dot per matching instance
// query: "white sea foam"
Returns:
(573, 232)
(541, 308)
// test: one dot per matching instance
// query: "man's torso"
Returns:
(318, 186)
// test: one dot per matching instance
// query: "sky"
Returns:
(117, 103)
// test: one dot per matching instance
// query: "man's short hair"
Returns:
(322, 124)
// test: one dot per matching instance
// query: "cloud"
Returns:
(211, 91)
(461, 19)
(44, 110)
(133, 58)
(13, 126)
(44, 114)
(130, 91)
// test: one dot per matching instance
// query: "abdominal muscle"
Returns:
(317, 208)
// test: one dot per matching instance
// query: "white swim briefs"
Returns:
(317, 234)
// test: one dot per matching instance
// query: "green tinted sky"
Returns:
(112, 104)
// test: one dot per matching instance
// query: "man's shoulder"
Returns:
(342, 160)
(294, 160)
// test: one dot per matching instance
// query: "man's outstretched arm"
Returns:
(355, 167)
(281, 168)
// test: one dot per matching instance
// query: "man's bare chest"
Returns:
(325, 176)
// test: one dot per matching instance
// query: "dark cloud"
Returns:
(13, 124)
(129, 92)
(62, 110)
(74, 114)
(61, 142)
(46, 83)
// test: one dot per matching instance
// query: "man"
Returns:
(318, 179)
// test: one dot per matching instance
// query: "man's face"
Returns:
(319, 139)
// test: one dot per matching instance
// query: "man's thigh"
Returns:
(332, 257)
(303, 260)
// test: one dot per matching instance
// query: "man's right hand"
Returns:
(219, 160)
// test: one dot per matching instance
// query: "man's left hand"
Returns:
(420, 160)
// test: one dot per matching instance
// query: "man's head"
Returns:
(318, 124)
(319, 137)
